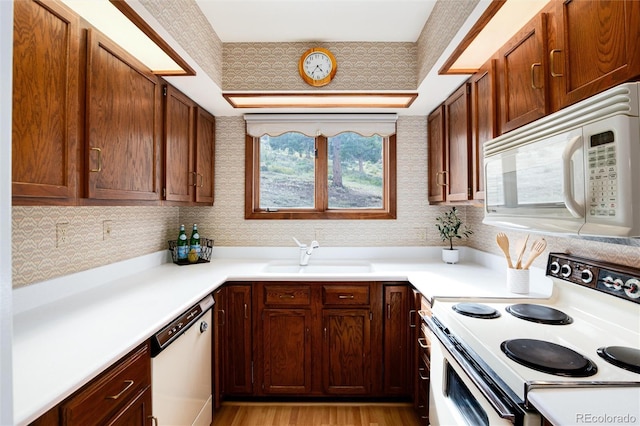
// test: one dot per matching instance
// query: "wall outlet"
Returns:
(107, 229)
(62, 234)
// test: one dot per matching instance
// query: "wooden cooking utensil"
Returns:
(503, 243)
(521, 249)
(536, 250)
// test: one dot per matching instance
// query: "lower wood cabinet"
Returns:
(119, 396)
(313, 339)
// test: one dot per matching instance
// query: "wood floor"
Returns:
(315, 414)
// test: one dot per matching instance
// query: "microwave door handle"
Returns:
(573, 206)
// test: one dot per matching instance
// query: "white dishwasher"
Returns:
(181, 369)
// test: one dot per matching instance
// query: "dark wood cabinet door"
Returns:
(123, 124)
(397, 348)
(523, 76)
(204, 156)
(136, 412)
(436, 156)
(346, 346)
(597, 47)
(239, 380)
(45, 105)
(483, 123)
(179, 119)
(458, 144)
(287, 351)
(220, 315)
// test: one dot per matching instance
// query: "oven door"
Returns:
(462, 393)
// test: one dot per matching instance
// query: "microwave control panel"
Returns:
(603, 175)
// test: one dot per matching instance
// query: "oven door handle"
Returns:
(495, 400)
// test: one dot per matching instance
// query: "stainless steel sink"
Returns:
(318, 267)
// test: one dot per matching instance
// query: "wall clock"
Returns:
(317, 66)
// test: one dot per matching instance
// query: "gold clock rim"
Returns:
(327, 79)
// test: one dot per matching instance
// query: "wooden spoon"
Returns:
(521, 249)
(536, 250)
(503, 243)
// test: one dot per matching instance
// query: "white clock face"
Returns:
(317, 66)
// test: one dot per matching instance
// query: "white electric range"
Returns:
(489, 353)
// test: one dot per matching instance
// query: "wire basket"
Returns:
(206, 248)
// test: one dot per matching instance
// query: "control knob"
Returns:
(608, 281)
(632, 288)
(565, 270)
(618, 284)
(586, 275)
(555, 267)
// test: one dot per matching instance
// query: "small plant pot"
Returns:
(450, 256)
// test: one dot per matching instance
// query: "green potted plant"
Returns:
(450, 226)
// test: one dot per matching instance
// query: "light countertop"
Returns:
(69, 329)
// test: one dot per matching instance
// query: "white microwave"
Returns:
(576, 171)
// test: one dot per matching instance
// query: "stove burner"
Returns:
(548, 357)
(621, 356)
(540, 314)
(476, 310)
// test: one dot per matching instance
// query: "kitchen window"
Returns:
(320, 166)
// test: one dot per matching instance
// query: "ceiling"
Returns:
(325, 20)
(317, 20)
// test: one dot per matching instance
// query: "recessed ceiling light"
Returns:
(320, 100)
(118, 21)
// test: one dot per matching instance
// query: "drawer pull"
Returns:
(345, 296)
(128, 383)
(287, 296)
(423, 343)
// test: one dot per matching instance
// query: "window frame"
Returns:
(321, 211)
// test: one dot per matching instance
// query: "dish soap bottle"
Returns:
(182, 244)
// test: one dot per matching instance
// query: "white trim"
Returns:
(321, 124)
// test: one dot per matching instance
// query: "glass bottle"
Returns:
(182, 244)
(194, 241)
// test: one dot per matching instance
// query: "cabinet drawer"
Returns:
(345, 294)
(109, 391)
(287, 295)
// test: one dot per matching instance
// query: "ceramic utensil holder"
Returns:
(518, 280)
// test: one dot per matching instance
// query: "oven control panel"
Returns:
(617, 280)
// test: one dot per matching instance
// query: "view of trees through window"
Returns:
(354, 164)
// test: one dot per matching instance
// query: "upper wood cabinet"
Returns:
(458, 144)
(483, 122)
(437, 171)
(205, 156)
(123, 124)
(179, 136)
(45, 103)
(189, 143)
(597, 46)
(523, 76)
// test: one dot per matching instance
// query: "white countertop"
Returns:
(68, 330)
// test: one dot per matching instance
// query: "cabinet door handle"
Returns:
(245, 311)
(223, 316)
(195, 178)
(201, 180)
(422, 377)
(154, 419)
(99, 169)
(287, 296)
(412, 313)
(533, 75)
(423, 343)
(552, 63)
(388, 310)
(325, 333)
(442, 182)
(345, 296)
(128, 384)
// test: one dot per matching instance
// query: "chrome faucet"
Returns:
(305, 251)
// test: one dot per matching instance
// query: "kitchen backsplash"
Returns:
(142, 230)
